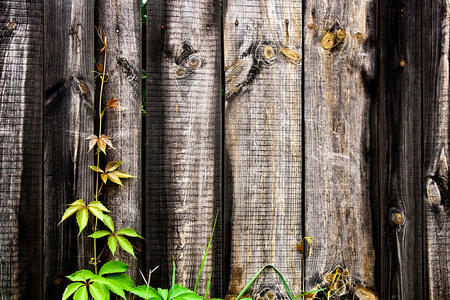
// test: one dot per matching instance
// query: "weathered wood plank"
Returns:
(68, 110)
(21, 68)
(263, 136)
(400, 150)
(340, 144)
(121, 22)
(183, 182)
(436, 147)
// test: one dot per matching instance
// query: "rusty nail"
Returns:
(58, 281)
(313, 11)
(402, 10)
(11, 25)
(207, 27)
(368, 18)
(398, 219)
(162, 26)
(287, 21)
(443, 9)
(402, 63)
(236, 22)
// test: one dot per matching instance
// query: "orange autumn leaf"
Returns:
(101, 142)
(112, 103)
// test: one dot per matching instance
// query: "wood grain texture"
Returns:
(68, 110)
(263, 137)
(401, 188)
(435, 61)
(21, 122)
(340, 142)
(121, 22)
(183, 181)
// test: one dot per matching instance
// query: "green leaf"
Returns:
(108, 222)
(96, 212)
(81, 275)
(96, 291)
(179, 292)
(114, 178)
(142, 291)
(115, 288)
(173, 276)
(164, 293)
(96, 169)
(112, 244)
(113, 266)
(73, 208)
(104, 177)
(99, 234)
(206, 253)
(98, 205)
(81, 294)
(82, 219)
(128, 232)
(125, 244)
(208, 285)
(112, 165)
(105, 291)
(123, 280)
(122, 174)
(70, 289)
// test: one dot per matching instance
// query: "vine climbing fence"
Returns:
(292, 119)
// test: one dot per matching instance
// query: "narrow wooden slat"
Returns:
(121, 22)
(340, 145)
(263, 136)
(21, 150)
(68, 108)
(183, 182)
(436, 147)
(400, 150)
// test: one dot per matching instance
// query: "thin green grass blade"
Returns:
(310, 292)
(256, 276)
(209, 284)
(206, 253)
(173, 277)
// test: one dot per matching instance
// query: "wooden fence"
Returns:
(322, 119)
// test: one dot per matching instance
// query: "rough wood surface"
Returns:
(263, 137)
(68, 111)
(400, 151)
(183, 181)
(340, 142)
(435, 58)
(21, 121)
(121, 22)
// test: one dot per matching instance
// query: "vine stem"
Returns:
(97, 192)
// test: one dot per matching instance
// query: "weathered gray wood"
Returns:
(68, 107)
(183, 182)
(21, 121)
(340, 143)
(121, 22)
(263, 136)
(401, 193)
(436, 148)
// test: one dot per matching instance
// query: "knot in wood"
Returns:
(11, 25)
(180, 72)
(340, 34)
(194, 62)
(433, 193)
(398, 219)
(269, 52)
(266, 53)
(402, 63)
(291, 55)
(328, 41)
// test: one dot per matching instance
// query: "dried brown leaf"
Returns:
(99, 67)
(106, 140)
(112, 103)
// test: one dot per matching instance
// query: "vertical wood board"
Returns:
(121, 22)
(435, 57)
(263, 136)
(21, 121)
(340, 144)
(68, 111)
(401, 150)
(183, 182)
